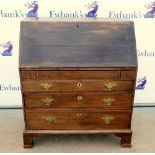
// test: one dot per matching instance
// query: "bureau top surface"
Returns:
(77, 43)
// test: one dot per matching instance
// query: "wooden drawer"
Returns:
(75, 100)
(67, 119)
(65, 75)
(128, 75)
(76, 86)
(28, 75)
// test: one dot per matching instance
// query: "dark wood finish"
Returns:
(28, 75)
(128, 75)
(77, 119)
(105, 131)
(62, 44)
(78, 100)
(78, 77)
(28, 140)
(122, 133)
(125, 139)
(72, 86)
(77, 68)
(44, 75)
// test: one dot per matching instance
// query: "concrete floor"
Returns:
(143, 125)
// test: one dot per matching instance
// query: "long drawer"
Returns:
(78, 75)
(75, 75)
(76, 86)
(27, 75)
(77, 119)
(75, 100)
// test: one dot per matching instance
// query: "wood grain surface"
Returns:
(77, 76)
(72, 44)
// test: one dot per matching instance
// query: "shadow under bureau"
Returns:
(78, 77)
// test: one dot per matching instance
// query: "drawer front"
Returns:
(77, 119)
(28, 75)
(76, 86)
(128, 75)
(75, 100)
(65, 75)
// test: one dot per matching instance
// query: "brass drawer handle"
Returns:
(46, 86)
(79, 84)
(108, 101)
(107, 119)
(49, 120)
(79, 114)
(110, 86)
(79, 98)
(47, 101)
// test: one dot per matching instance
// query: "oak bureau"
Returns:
(77, 77)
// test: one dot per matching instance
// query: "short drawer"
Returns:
(128, 75)
(67, 119)
(76, 86)
(75, 100)
(65, 75)
(28, 75)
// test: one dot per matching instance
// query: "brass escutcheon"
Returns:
(78, 114)
(110, 85)
(47, 101)
(79, 98)
(107, 119)
(108, 101)
(79, 84)
(46, 86)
